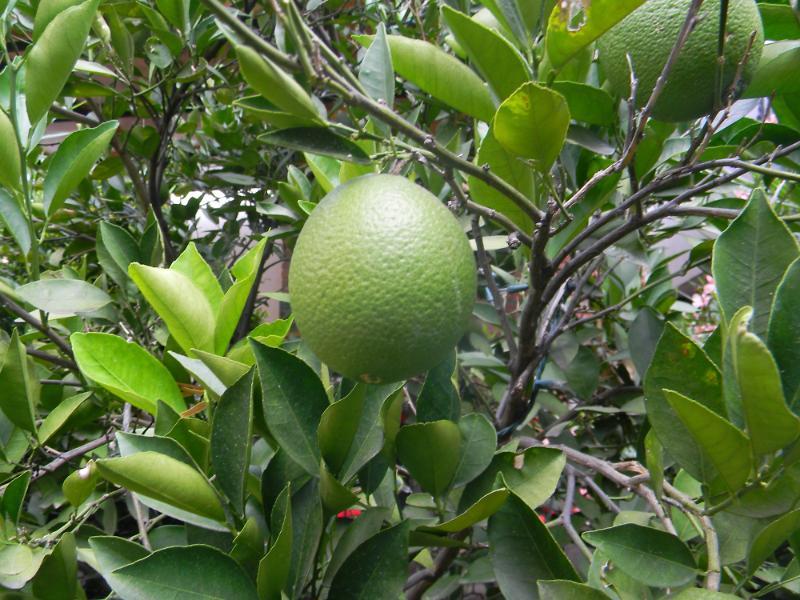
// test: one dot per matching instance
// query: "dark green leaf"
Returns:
(188, 571)
(318, 140)
(231, 431)
(19, 395)
(273, 570)
(57, 577)
(59, 416)
(769, 539)
(773, 76)
(307, 526)
(293, 400)
(568, 590)
(651, 556)
(367, 524)
(438, 398)
(750, 258)
(643, 337)
(478, 443)
(14, 496)
(15, 221)
(784, 331)
(481, 510)
(523, 551)
(587, 103)
(376, 569)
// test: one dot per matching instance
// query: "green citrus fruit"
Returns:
(382, 280)
(648, 35)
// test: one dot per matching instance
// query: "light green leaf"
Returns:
(724, 449)
(769, 539)
(184, 572)
(522, 551)
(439, 74)
(273, 570)
(57, 577)
(195, 267)
(568, 590)
(10, 174)
(165, 479)
(275, 85)
(564, 40)
(482, 509)
(431, 452)
(226, 369)
(532, 123)
(46, 11)
(63, 297)
(376, 72)
(478, 443)
(246, 271)
(126, 370)
(508, 168)
(50, 60)
(59, 416)
(376, 569)
(202, 373)
(72, 162)
(231, 431)
(15, 220)
(784, 331)
(651, 556)
(497, 60)
(750, 258)
(179, 302)
(293, 400)
(19, 392)
(769, 422)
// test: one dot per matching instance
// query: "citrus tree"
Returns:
(544, 268)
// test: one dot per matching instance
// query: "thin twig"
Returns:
(566, 515)
(23, 314)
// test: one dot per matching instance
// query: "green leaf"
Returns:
(478, 443)
(228, 371)
(246, 270)
(195, 267)
(15, 220)
(318, 140)
(19, 393)
(532, 123)
(335, 496)
(63, 297)
(564, 40)
(293, 400)
(72, 162)
(508, 168)
(231, 431)
(522, 551)
(182, 305)
(773, 76)
(780, 22)
(184, 572)
(702, 594)
(77, 487)
(376, 569)
(769, 539)
(126, 370)
(680, 365)
(784, 331)
(116, 250)
(481, 510)
(750, 258)
(439, 74)
(50, 60)
(307, 527)
(10, 174)
(431, 452)
(769, 422)
(261, 109)
(202, 374)
(496, 59)
(651, 556)
(57, 577)
(47, 11)
(18, 564)
(14, 496)
(273, 570)
(367, 524)
(587, 103)
(59, 416)
(376, 72)
(568, 590)
(275, 85)
(438, 398)
(112, 553)
(725, 450)
(174, 11)
(165, 479)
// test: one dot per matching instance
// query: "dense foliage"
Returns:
(620, 421)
